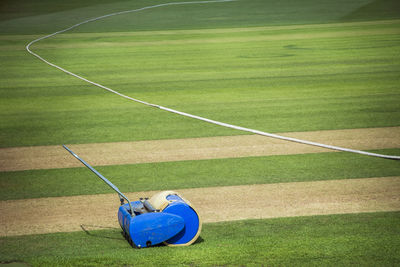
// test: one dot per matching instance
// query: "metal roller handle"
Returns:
(121, 195)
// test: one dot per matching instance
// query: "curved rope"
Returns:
(183, 113)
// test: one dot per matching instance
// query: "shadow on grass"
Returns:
(378, 9)
(14, 9)
(99, 234)
(13, 264)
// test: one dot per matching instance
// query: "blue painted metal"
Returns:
(150, 228)
(153, 228)
(179, 207)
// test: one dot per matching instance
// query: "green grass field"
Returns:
(335, 240)
(276, 66)
(194, 174)
(314, 77)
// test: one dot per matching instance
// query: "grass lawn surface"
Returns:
(276, 66)
(224, 61)
(369, 239)
(193, 174)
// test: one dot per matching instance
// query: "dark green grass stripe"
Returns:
(46, 16)
(193, 174)
(367, 239)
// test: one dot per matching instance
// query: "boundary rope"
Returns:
(183, 113)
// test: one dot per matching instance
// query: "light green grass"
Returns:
(193, 174)
(336, 240)
(273, 79)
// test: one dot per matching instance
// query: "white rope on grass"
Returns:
(183, 113)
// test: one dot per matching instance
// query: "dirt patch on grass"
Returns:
(100, 154)
(216, 204)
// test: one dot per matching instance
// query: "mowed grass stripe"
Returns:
(35, 18)
(213, 204)
(254, 58)
(351, 239)
(195, 174)
(270, 85)
(65, 41)
(195, 32)
(104, 154)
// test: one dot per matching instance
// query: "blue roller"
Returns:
(172, 203)
(164, 218)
